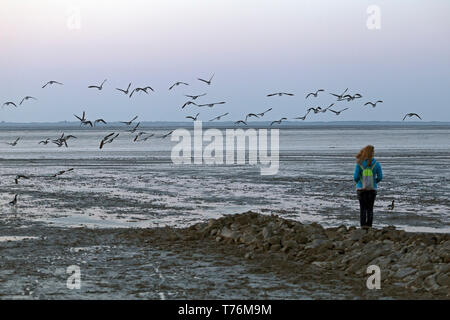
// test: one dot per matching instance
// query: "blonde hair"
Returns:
(365, 153)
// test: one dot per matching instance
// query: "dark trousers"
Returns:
(366, 201)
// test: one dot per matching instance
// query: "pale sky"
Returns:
(254, 47)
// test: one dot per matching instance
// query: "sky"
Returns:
(254, 47)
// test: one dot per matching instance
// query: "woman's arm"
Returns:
(357, 173)
(379, 173)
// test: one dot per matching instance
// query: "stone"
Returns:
(225, 232)
(248, 255)
(274, 240)
(404, 272)
(357, 234)
(267, 232)
(443, 279)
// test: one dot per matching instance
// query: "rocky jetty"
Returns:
(417, 263)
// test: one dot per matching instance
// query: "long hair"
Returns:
(365, 153)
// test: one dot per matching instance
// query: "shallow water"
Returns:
(136, 185)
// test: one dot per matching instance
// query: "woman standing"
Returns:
(367, 175)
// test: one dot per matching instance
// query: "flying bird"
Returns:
(373, 104)
(138, 90)
(188, 103)
(304, 117)
(210, 105)
(263, 113)
(208, 82)
(167, 134)
(316, 110)
(20, 176)
(100, 87)
(325, 110)
(339, 96)
(177, 84)
(98, 121)
(314, 93)
(278, 121)
(27, 98)
(219, 117)
(108, 139)
(195, 97)
(240, 121)
(349, 97)
(52, 82)
(338, 112)
(125, 91)
(135, 128)
(61, 172)
(192, 117)
(14, 201)
(411, 115)
(9, 103)
(251, 115)
(280, 94)
(44, 142)
(129, 122)
(14, 143)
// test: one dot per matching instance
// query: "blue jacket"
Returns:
(377, 172)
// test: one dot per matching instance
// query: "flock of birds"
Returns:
(144, 136)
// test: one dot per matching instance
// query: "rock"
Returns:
(342, 229)
(275, 247)
(443, 279)
(300, 238)
(249, 255)
(404, 272)
(290, 244)
(274, 240)
(211, 222)
(320, 243)
(357, 234)
(267, 232)
(226, 233)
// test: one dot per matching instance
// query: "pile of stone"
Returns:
(418, 261)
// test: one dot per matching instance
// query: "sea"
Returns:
(137, 185)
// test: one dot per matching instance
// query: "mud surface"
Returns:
(246, 256)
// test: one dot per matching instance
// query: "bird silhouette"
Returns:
(14, 201)
(208, 82)
(27, 98)
(373, 104)
(51, 82)
(177, 84)
(125, 91)
(192, 117)
(210, 105)
(9, 103)
(338, 112)
(263, 113)
(280, 94)
(14, 143)
(100, 87)
(391, 206)
(219, 117)
(195, 97)
(277, 121)
(129, 122)
(314, 93)
(409, 115)
(20, 176)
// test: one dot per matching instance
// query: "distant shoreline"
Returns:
(231, 125)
